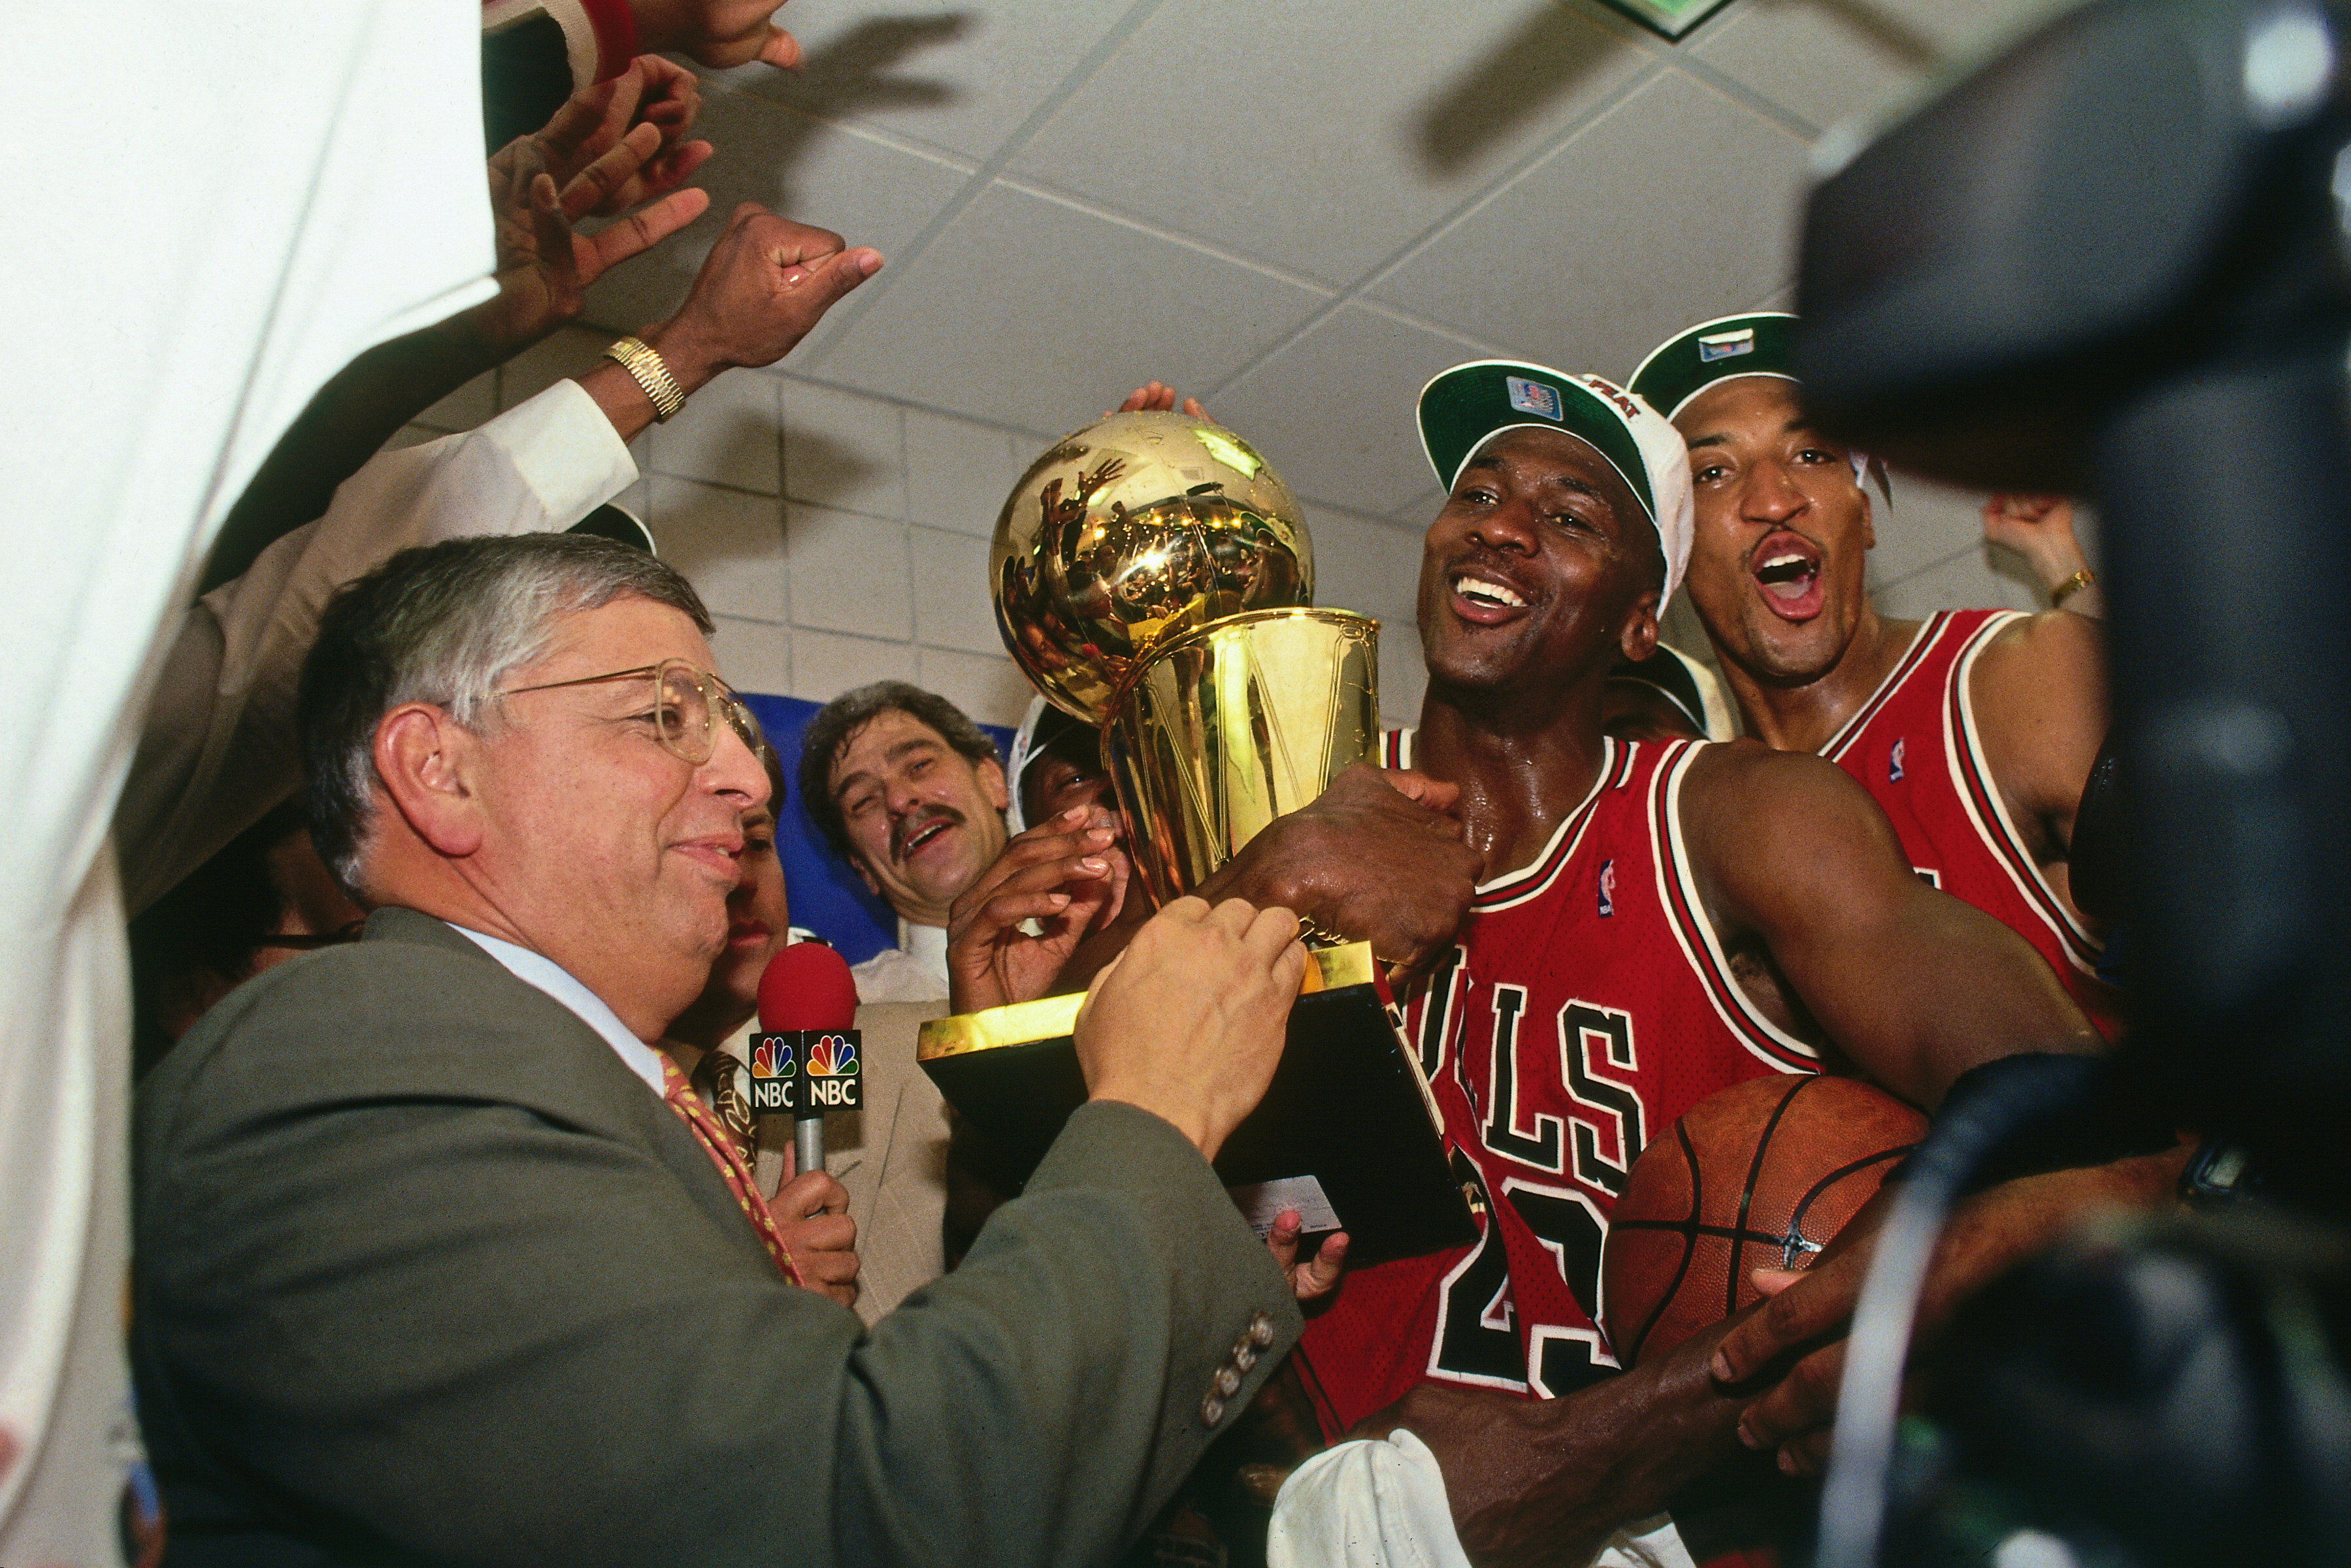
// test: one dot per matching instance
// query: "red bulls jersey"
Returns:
(1915, 747)
(1586, 1006)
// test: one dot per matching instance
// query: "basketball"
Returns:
(1759, 1176)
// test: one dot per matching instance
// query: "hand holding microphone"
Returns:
(805, 1061)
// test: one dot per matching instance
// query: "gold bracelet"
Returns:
(2070, 587)
(644, 362)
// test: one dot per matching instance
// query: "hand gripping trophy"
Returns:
(1153, 578)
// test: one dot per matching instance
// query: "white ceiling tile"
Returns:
(1332, 410)
(842, 450)
(962, 76)
(952, 607)
(1926, 524)
(726, 434)
(1822, 60)
(1363, 564)
(752, 656)
(867, 191)
(730, 546)
(825, 665)
(1675, 206)
(1421, 510)
(849, 573)
(1966, 581)
(1031, 312)
(1338, 136)
(989, 688)
(957, 472)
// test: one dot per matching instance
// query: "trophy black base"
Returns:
(1347, 1134)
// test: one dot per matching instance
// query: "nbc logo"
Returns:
(831, 1056)
(772, 1058)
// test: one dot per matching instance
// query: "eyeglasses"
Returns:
(687, 706)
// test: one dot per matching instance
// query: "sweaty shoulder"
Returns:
(1756, 822)
(2038, 692)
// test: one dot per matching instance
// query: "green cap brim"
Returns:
(1470, 404)
(1759, 343)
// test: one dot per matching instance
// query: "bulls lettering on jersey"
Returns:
(1916, 748)
(1587, 1006)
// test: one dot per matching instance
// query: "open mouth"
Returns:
(924, 833)
(1484, 598)
(1787, 569)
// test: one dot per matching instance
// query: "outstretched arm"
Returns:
(1912, 985)
(614, 146)
(2041, 530)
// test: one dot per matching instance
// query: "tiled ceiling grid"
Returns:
(1298, 210)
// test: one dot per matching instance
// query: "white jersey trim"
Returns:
(1746, 1023)
(2081, 948)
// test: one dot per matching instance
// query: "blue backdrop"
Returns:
(827, 897)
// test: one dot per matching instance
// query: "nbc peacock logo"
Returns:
(775, 1068)
(830, 1056)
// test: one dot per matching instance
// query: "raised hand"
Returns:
(652, 92)
(811, 1214)
(764, 286)
(1188, 1022)
(716, 32)
(1157, 397)
(1068, 875)
(2041, 530)
(587, 161)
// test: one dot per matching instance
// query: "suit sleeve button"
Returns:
(1212, 1410)
(1260, 1329)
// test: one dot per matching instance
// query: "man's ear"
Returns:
(1637, 639)
(990, 775)
(429, 764)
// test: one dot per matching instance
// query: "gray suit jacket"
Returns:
(424, 1274)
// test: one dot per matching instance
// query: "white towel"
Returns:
(1381, 1504)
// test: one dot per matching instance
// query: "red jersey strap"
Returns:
(731, 1168)
(1921, 649)
(1988, 812)
(1694, 930)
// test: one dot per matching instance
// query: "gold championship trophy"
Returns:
(1153, 578)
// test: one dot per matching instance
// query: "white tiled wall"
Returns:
(841, 539)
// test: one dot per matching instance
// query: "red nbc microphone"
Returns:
(804, 1057)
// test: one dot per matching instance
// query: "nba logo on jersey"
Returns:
(1893, 760)
(1532, 397)
(1607, 887)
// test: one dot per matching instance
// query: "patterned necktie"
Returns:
(714, 1079)
(733, 1168)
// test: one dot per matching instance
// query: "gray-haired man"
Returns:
(437, 1262)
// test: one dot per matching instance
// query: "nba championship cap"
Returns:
(1682, 680)
(1757, 344)
(1470, 404)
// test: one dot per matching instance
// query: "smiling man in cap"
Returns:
(1657, 922)
(1974, 731)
